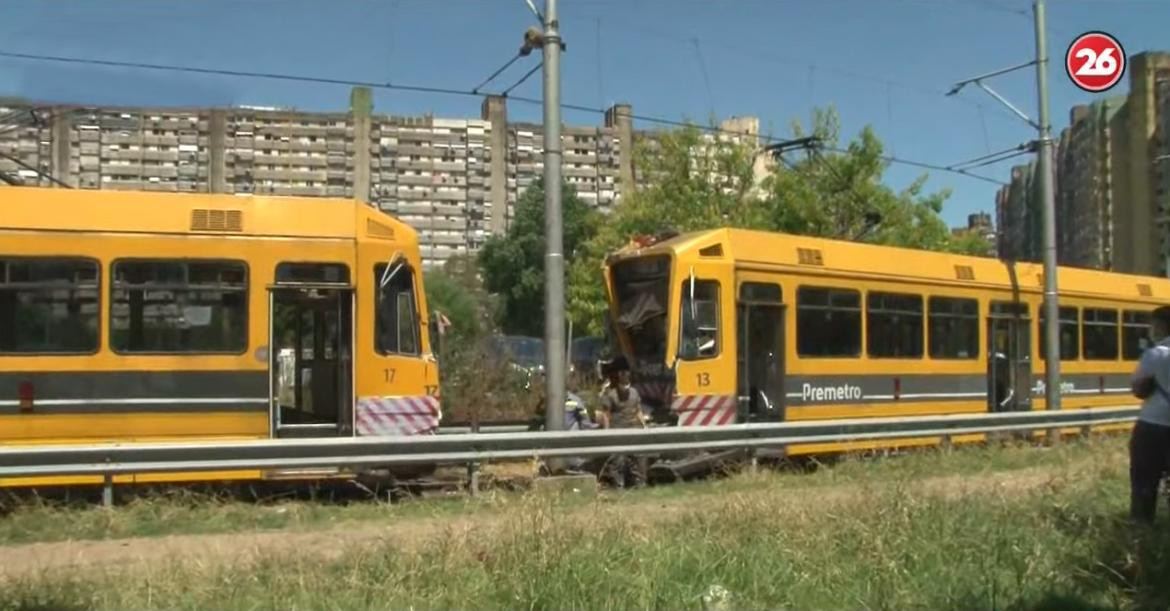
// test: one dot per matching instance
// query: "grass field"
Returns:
(1011, 528)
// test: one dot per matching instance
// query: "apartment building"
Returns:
(1112, 182)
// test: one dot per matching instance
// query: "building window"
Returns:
(1135, 334)
(1101, 337)
(396, 315)
(894, 324)
(49, 305)
(1070, 337)
(828, 322)
(954, 328)
(699, 331)
(179, 306)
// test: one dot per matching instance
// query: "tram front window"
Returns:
(641, 289)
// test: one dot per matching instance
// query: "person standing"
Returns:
(1149, 445)
(621, 407)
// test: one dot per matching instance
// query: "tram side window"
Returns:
(396, 317)
(1070, 337)
(699, 331)
(954, 328)
(1100, 331)
(828, 322)
(894, 323)
(179, 306)
(1135, 334)
(48, 305)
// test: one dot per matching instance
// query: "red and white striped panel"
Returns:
(394, 416)
(704, 410)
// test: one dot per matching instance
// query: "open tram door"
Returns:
(760, 351)
(1009, 357)
(311, 356)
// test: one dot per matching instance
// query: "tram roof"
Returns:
(106, 210)
(744, 247)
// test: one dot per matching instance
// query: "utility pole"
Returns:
(554, 258)
(1048, 215)
(1043, 147)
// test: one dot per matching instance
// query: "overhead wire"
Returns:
(526, 76)
(498, 71)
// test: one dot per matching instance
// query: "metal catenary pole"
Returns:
(1043, 147)
(554, 259)
(1052, 388)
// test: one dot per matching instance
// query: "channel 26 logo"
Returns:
(1095, 61)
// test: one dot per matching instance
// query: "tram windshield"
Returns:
(641, 289)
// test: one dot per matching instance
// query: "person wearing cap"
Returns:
(621, 407)
(1149, 446)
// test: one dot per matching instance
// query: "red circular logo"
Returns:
(1095, 61)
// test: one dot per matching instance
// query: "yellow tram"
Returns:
(731, 326)
(130, 316)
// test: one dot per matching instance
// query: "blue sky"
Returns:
(884, 63)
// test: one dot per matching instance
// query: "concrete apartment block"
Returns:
(1112, 191)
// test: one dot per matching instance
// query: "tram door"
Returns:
(1009, 357)
(311, 355)
(760, 352)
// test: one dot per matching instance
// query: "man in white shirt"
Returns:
(1149, 447)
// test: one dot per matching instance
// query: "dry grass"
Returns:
(1049, 536)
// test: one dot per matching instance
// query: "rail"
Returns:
(111, 459)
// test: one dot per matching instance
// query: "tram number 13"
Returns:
(704, 379)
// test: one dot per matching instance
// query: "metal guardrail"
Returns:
(484, 428)
(292, 454)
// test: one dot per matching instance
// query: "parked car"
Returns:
(584, 354)
(523, 354)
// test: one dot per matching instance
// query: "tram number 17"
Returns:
(388, 374)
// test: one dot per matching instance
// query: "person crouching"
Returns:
(621, 407)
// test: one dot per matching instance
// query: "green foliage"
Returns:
(513, 264)
(475, 386)
(457, 292)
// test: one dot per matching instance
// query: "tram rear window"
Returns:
(49, 305)
(179, 306)
(828, 322)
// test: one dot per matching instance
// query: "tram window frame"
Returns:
(185, 263)
(803, 325)
(311, 272)
(960, 319)
(909, 322)
(43, 287)
(380, 343)
(1131, 320)
(716, 330)
(1069, 351)
(1093, 329)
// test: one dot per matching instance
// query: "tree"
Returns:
(513, 264)
(457, 292)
